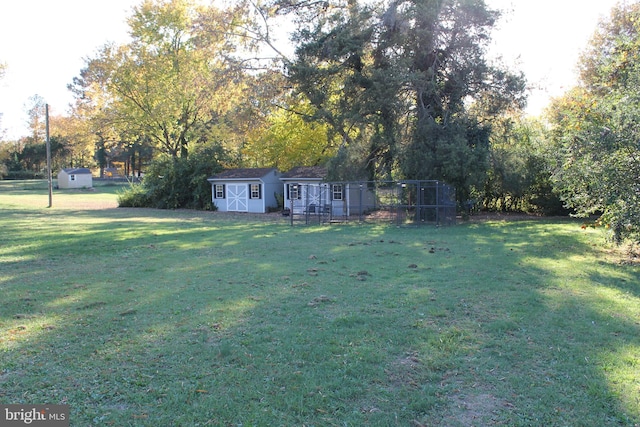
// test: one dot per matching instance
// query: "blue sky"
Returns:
(44, 42)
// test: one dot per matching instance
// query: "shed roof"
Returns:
(313, 172)
(77, 171)
(244, 173)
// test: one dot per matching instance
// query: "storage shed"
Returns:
(253, 190)
(75, 178)
(307, 192)
(302, 188)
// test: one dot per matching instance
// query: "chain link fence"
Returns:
(403, 203)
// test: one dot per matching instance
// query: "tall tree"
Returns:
(37, 121)
(175, 75)
(595, 127)
(519, 176)
(449, 72)
(398, 79)
(351, 90)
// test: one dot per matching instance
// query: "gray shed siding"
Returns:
(236, 191)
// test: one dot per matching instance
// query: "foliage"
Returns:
(36, 111)
(349, 163)
(4, 157)
(396, 83)
(456, 153)
(78, 140)
(595, 128)
(135, 196)
(177, 88)
(173, 183)
(388, 90)
(519, 176)
(288, 139)
(30, 157)
(174, 77)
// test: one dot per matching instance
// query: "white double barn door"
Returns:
(237, 197)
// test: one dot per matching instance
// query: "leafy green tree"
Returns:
(595, 128)
(352, 91)
(449, 73)
(519, 176)
(177, 182)
(175, 75)
(396, 83)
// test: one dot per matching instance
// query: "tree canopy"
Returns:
(400, 78)
(175, 77)
(595, 127)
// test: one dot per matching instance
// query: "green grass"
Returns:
(179, 318)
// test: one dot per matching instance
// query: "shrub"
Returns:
(174, 183)
(135, 196)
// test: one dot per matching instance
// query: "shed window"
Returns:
(294, 191)
(72, 177)
(254, 191)
(219, 191)
(336, 191)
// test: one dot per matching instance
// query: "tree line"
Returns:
(395, 89)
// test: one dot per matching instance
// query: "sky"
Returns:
(45, 43)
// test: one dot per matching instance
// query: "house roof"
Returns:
(243, 173)
(77, 171)
(308, 172)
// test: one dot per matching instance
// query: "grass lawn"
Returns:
(137, 317)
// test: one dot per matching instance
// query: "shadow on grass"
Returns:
(146, 318)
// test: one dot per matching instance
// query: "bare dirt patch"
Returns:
(402, 372)
(472, 409)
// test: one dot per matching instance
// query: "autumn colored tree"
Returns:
(179, 87)
(595, 128)
(289, 139)
(175, 76)
(36, 117)
(27, 158)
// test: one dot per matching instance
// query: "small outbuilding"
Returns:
(75, 178)
(303, 189)
(254, 190)
(306, 191)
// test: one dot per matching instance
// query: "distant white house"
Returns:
(75, 178)
(246, 190)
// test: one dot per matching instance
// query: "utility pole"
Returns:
(46, 110)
